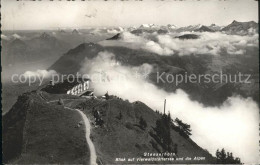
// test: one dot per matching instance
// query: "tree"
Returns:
(218, 156)
(162, 130)
(226, 158)
(142, 123)
(120, 116)
(98, 119)
(223, 155)
(175, 149)
(107, 96)
(184, 129)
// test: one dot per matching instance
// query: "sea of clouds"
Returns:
(167, 44)
(233, 125)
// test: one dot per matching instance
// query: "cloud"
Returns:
(208, 43)
(115, 30)
(16, 36)
(233, 125)
(92, 14)
(4, 37)
(39, 73)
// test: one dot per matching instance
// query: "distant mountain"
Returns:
(240, 27)
(45, 36)
(45, 45)
(189, 28)
(75, 31)
(188, 36)
(200, 28)
(141, 31)
(71, 63)
(162, 31)
(47, 42)
(131, 28)
(215, 27)
(171, 26)
(115, 37)
(204, 29)
(16, 36)
(151, 28)
(148, 26)
(61, 31)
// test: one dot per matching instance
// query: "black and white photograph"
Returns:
(96, 82)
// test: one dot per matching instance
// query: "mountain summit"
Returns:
(43, 131)
(45, 36)
(204, 29)
(240, 27)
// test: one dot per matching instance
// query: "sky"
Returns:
(45, 14)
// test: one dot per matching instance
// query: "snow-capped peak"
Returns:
(171, 26)
(16, 36)
(148, 26)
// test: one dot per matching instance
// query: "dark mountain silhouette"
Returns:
(75, 31)
(188, 36)
(115, 37)
(140, 31)
(159, 31)
(204, 29)
(189, 28)
(162, 31)
(45, 36)
(61, 31)
(74, 57)
(240, 27)
(215, 27)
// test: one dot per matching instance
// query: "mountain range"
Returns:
(207, 93)
(234, 28)
(18, 50)
(240, 27)
(42, 129)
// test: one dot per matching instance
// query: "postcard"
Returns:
(130, 82)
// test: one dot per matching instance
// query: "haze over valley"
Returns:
(188, 88)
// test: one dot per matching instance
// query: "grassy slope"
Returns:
(124, 138)
(50, 134)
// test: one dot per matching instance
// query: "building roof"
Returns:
(63, 87)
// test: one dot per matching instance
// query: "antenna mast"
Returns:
(164, 106)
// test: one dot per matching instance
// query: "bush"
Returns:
(129, 126)
(61, 102)
(142, 123)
